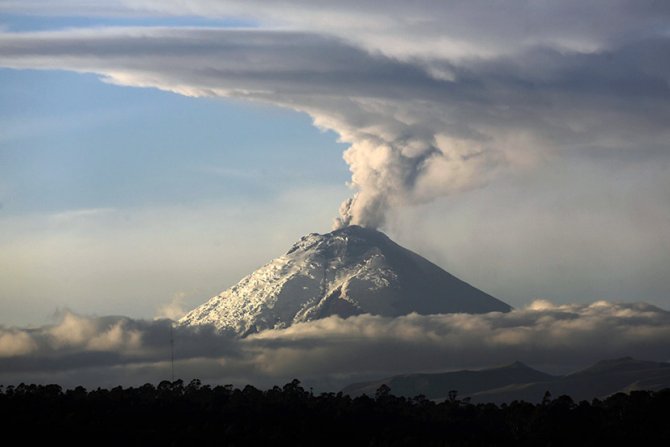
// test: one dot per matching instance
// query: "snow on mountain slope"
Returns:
(349, 271)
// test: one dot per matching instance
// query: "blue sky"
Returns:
(151, 155)
(73, 142)
(74, 147)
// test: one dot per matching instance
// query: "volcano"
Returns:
(349, 271)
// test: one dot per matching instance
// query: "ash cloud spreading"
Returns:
(431, 106)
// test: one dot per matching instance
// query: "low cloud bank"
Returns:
(105, 351)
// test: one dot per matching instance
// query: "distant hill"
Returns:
(437, 386)
(521, 382)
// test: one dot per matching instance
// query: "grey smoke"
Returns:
(423, 121)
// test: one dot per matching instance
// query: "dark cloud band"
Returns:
(79, 348)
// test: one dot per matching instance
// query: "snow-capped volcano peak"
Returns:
(350, 271)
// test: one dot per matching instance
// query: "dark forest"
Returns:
(174, 413)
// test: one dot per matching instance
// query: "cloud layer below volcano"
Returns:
(112, 350)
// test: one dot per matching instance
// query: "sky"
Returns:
(152, 153)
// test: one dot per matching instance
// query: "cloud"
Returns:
(424, 121)
(78, 344)
(541, 334)
(174, 310)
(14, 342)
(432, 28)
(92, 350)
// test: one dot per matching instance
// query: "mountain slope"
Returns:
(520, 382)
(349, 271)
(466, 382)
(600, 380)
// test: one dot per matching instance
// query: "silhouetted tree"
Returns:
(382, 392)
(196, 414)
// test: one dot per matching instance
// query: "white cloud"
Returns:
(541, 334)
(413, 138)
(73, 331)
(15, 342)
(174, 310)
(427, 28)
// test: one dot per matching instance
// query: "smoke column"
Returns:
(419, 128)
(408, 171)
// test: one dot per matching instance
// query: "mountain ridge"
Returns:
(600, 380)
(438, 385)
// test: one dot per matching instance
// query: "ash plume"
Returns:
(430, 105)
(390, 174)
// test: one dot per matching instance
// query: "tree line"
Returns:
(175, 413)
